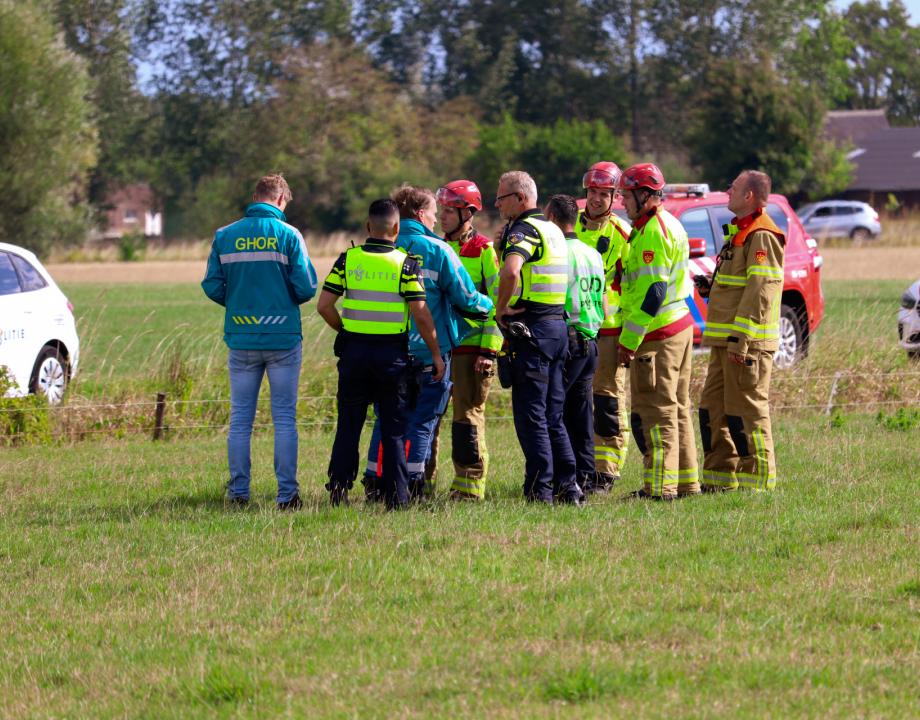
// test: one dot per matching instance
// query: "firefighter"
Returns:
(600, 228)
(657, 338)
(473, 360)
(531, 305)
(381, 287)
(742, 328)
(585, 307)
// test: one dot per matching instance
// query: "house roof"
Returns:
(887, 160)
(852, 126)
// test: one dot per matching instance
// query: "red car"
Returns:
(703, 213)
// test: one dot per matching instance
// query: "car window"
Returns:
(697, 224)
(29, 278)
(823, 212)
(778, 216)
(723, 215)
(9, 281)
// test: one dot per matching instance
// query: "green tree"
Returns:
(47, 136)
(342, 133)
(556, 155)
(884, 59)
(100, 32)
(751, 118)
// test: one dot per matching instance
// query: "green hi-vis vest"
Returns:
(584, 302)
(372, 303)
(546, 279)
(610, 241)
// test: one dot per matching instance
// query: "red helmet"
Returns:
(460, 194)
(603, 175)
(643, 175)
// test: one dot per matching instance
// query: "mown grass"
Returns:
(129, 589)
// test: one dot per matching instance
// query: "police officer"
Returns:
(657, 337)
(473, 360)
(600, 228)
(742, 328)
(530, 308)
(451, 296)
(381, 287)
(259, 270)
(585, 306)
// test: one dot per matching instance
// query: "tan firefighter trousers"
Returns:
(611, 431)
(468, 430)
(662, 425)
(735, 423)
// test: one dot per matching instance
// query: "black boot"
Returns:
(600, 484)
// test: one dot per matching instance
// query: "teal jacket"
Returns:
(449, 290)
(260, 271)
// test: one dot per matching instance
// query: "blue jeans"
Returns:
(247, 367)
(421, 422)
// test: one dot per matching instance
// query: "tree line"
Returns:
(350, 97)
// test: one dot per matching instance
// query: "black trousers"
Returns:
(578, 412)
(372, 370)
(537, 400)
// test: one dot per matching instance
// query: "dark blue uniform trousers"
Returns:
(578, 414)
(537, 399)
(372, 370)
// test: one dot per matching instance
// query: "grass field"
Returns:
(129, 589)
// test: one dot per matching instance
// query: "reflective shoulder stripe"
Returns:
(552, 269)
(259, 256)
(373, 295)
(765, 271)
(634, 328)
(373, 315)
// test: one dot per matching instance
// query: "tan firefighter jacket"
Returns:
(744, 301)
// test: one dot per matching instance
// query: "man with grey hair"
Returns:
(530, 310)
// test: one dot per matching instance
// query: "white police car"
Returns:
(38, 336)
(909, 321)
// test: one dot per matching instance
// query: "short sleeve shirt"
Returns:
(410, 284)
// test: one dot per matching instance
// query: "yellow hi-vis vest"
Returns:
(659, 255)
(372, 303)
(610, 240)
(546, 279)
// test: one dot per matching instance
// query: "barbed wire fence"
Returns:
(159, 422)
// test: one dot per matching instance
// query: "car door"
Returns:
(14, 336)
(698, 224)
(820, 224)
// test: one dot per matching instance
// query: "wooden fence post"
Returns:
(158, 421)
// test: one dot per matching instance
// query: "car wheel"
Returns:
(860, 235)
(50, 375)
(791, 346)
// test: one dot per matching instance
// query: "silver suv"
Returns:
(840, 218)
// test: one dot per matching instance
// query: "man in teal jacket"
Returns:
(260, 272)
(451, 295)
